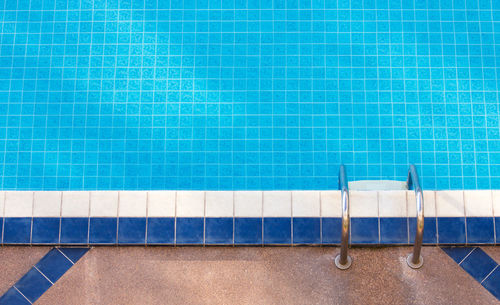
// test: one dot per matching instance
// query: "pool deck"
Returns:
(251, 275)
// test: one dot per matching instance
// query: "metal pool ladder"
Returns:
(415, 260)
(343, 260)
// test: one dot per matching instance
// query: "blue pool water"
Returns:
(212, 94)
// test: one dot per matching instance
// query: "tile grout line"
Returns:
(467, 256)
(234, 219)
(435, 217)
(60, 217)
(3, 215)
(487, 276)
(65, 256)
(378, 216)
(408, 218)
(291, 220)
(465, 218)
(14, 286)
(88, 222)
(204, 216)
(320, 221)
(32, 212)
(147, 217)
(262, 217)
(43, 275)
(493, 216)
(175, 218)
(117, 219)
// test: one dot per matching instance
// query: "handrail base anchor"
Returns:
(344, 266)
(409, 261)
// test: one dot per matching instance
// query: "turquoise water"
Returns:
(247, 94)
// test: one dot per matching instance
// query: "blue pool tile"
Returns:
(219, 231)
(161, 230)
(277, 230)
(102, 230)
(53, 265)
(497, 228)
(17, 230)
(189, 230)
(480, 230)
(430, 236)
(451, 230)
(74, 254)
(478, 264)
(306, 230)
(33, 284)
(45, 231)
(132, 230)
(331, 230)
(457, 253)
(492, 283)
(13, 297)
(394, 230)
(1, 230)
(74, 230)
(364, 230)
(248, 231)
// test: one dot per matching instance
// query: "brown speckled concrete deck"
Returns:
(15, 262)
(492, 251)
(302, 275)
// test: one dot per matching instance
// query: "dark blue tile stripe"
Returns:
(479, 265)
(42, 276)
(13, 296)
(252, 231)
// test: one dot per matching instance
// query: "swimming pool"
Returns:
(243, 95)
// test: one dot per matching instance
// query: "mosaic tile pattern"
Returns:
(226, 95)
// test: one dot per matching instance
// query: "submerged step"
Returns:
(377, 185)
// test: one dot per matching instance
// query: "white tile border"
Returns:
(429, 203)
(306, 204)
(132, 204)
(363, 203)
(277, 204)
(75, 204)
(248, 203)
(219, 204)
(331, 203)
(47, 204)
(18, 204)
(104, 204)
(450, 204)
(495, 194)
(478, 203)
(447, 203)
(190, 204)
(161, 203)
(2, 203)
(392, 204)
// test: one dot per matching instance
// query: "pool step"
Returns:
(415, 260)
(378, 185)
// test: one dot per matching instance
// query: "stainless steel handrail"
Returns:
(343, 260)
(415, 259)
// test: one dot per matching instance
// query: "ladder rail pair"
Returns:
(414, 260)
